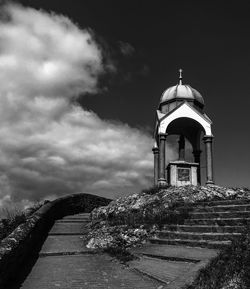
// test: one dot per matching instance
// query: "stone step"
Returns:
(219, 221)
(197, 236)
(224, 215)
(74, 220)
(191, 243)
(164, 271)
(65, 234)
(59, 244)
(204, 228)
(90, 271)
(67, 228)
(223, 202)
(222, 208)
(174, 252)
(77, 216)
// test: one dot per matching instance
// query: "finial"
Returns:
(180, 76)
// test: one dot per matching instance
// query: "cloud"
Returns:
(126, 48)
(46, 54)
(49, 146)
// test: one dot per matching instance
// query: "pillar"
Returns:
(208, 140)
(162, 178)
(197, 159)
(156, 164)
(181, 148)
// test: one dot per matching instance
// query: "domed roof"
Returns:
(182, 91)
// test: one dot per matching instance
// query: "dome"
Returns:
(181, 91)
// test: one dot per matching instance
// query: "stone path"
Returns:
(174, 266)
(65, 263)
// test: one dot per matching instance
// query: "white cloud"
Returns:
(48, 145)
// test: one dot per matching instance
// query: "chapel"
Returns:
(181, 112)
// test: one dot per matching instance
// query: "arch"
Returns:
(189, 128)
(185, 111)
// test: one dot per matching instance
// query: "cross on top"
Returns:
(180, 76)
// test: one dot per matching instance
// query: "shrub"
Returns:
(149, 210)
(162, 205)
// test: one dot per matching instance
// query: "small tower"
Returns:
(181, 112)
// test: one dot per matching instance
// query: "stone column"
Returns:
(162, 165)
(156, 164)
(208, 140)
(181, 148)
(197, 159)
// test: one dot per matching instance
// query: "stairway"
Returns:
(209, 224)
(64, 262)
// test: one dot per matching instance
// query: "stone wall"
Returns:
(26, 240)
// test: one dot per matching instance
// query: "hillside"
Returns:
(135, 220)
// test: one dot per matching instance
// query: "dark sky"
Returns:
(209, 40)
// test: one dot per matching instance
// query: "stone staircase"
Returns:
(209, 224)
(64, 262)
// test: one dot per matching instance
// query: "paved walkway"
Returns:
(65, 263)
(174, 266)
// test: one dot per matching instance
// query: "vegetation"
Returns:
(13, 217)
(230, 269)
(131, 220)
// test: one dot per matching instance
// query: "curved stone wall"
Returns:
(27, 238)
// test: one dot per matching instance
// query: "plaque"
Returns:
(183, 174)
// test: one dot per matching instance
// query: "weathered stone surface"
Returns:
(177, 266)
(63, 245)
(84, 271)
(67, 228)
(26, 239)
(172, 251)
(165, 271)
(65, 262)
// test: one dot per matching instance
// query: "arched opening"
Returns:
(182, 149)
(189, 128)
(174, 163)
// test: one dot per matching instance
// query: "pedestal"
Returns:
(181, 173)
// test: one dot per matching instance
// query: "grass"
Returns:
(230, 269)
(12, 217)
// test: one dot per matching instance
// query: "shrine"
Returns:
(181, 112)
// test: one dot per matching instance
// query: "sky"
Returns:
(81, 80)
